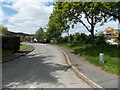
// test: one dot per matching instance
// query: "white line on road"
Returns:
(34, 85)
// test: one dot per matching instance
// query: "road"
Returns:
(45, 67)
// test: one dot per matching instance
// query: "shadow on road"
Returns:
(30, 69)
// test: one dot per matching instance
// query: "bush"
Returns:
(64, 39)
(81, 38)
(100, 39)
(11, 43)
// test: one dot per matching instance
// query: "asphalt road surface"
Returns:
(45, 67)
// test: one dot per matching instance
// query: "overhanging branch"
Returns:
(114, 15)
(87, 17)
(84, 25)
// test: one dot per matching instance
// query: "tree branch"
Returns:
(114, 15)
(84, 24)
(87, 17)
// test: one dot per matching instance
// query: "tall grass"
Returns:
(91, 53)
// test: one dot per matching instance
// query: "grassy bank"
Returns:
(23, 47)
(7, 53)
(91, 54)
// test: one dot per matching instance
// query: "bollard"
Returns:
(101, 57)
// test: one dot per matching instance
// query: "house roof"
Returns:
(111, 29)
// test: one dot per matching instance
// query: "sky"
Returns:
(28, 15)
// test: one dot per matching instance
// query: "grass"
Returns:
(23, 47)
(7, 52)
(91, 54)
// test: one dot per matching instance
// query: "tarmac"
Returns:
(93, 73)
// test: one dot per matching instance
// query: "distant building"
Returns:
(111, 34)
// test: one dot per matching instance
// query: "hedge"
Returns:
(11, 43)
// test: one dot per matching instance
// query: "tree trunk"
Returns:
(68, 36)
(118, 21)
(92, 34)
(92, 29)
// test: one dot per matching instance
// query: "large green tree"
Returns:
(71, 13)
(74, 12)
(110, 8)
(57, 24)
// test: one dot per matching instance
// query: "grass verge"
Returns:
(23, 47)
(91, 54)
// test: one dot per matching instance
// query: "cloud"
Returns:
(1, 16)
(81, 29)
(111, 24)
(31, 14)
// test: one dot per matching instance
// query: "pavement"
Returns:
(44, 67)
(93, 73)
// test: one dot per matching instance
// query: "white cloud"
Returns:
(31, 15)
(111, 24)
(1, 15)
(81, 29)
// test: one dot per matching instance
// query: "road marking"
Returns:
(34, 85)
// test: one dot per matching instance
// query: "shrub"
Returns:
(100, 39)
(11, 43)
(64, 39)
(81, 38)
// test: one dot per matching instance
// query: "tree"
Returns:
(71, 13)
(4, 30)
(57, 24)
(100, 39)
(80, 38)
(110, 8)
(39, 34)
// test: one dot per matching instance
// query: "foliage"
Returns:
(4, 30)
(22, 38)
(91, 54)
(39, 34)
(100, 39)
(80, 38)
(66, 14)
(110, 8)
(76, 38)
(11, 43)
(57, 24)
(65, 39)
